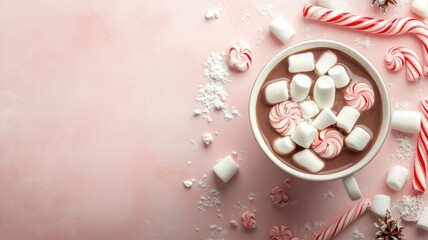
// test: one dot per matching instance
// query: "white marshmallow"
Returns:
(380, 204)
(302, 62)
(299, 87)
(324, 119)
(281, 29)
(324, 92)
(284, 145)
(324, 3)
(406, 121)
(276, 92)
(326, 61)
(309, 109)
(304, 135)
(420, 7)
(358, 139)
(226, 168)
(308, 160)
(396, 178)
(339, 75)
(347, 118)
(423, 220)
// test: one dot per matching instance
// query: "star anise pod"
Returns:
(383, 4)
(389, 228)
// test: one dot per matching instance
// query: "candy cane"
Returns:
(398, 26)
(398, 56)
(420, 170)
(345, 220)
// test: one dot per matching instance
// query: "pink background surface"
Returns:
(96, 99)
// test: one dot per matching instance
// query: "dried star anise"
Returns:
(383, 4)
(389, 228)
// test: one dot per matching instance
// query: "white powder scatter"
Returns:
(207, 138)
(215, 68)
(366, 42)
(328, 195)
(196, 229)
(189, 162)
(234, 223)
(212, 201)
(357, 235)
(213, 13)
(234, 153)
(402, 105)
(410, 208)
(217, 233)
(405, 150)
(197, 112)
(266, 10)
(311, 229)
(241, 155)
(193, 144)
(252, 198)
(188, 184)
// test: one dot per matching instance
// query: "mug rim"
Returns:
(304, 46)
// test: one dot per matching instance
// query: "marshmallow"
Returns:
(327, 60)
(324, 92)
(406, 121)
(396, 178)
(226, 168)
(304, 135)
(299, 87)
(339, 75)
(276, 92)
(324, 119)
(308, 160)
(283, 145)
(302, 62)
(324, 3)
(380, 204)
(347, 118)
(281, 29)
(309, 109)
(358, 139)
(423, 220)
(420, 7)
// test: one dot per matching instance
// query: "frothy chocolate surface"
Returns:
(371, 119)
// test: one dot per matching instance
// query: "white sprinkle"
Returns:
(197, 112)
(328, 195)
(252, 198)
(410, 208)
(402, 105)
(187, 184)
(357, 235)
(405, 150)
(197, 229)
(207, 138)
(366, 43)
(234, 223)
(213, 13)
(189, 162)
(193, 144)
(215, 68)
(235, 153)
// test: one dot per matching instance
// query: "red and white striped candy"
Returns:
(279, 197)
(398, 56)
(240, 56)
(344, 221)
(289, 183)
(285, 116)
(359, 96)
(249, 220)
(328, 144)
(281, 232)
(420, 170)
(398, 26)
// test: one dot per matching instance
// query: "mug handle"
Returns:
(351, 187)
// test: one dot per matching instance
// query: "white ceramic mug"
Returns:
(347, 174)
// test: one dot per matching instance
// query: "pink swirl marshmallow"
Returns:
(240, 56)
(285, 117)
(279, 197)
(249, 220)
(281, 232)
(328, 144)
(359, 96)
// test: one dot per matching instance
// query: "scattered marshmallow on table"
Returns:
(397, 177)
(406, 121)
(339, 75)
(281, 29)
(276, 92)
(226, 168)
(324, 92)
(302, 62)
(358, 139)
(299, 87)
(326, 61)
(380, 204)
(309, 109)
(324, 119)
(420, 7)
(423, 220)
(308, 160)
(283, 145)
(304, 135)
(347, 118)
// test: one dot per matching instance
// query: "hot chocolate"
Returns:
(370, 117)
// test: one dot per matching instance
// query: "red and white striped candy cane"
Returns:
(397, 26)
(398, 56)
(420, 170)
(345, 220)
